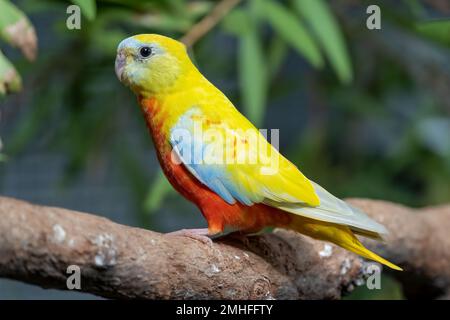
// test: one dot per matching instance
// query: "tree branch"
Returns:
(208, 22)
(419, 242)
(38, 243)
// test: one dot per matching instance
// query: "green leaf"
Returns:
(105, 43)
(3, 157)
(276, 54)
(323, 23)
(290, 28)
(16, 29)
(163, 22)
(88, 8)
(253, 76)
(236, 22)
(175, 15)
(10, 80)
(9, 14)
(416, 7)
(436, 30)
(198, 9)
(159, 189)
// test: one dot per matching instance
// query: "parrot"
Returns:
(216, 158)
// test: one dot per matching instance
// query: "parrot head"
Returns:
(151, 63)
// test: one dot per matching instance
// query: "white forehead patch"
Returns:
(129, 42)
(132, 42)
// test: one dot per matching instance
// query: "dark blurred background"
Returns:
(365, 113)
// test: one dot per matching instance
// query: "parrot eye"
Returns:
(145, 52)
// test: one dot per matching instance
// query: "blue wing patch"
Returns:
(192, 151)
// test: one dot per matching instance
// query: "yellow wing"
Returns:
(237, 162)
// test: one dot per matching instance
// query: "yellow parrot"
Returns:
(217, 159)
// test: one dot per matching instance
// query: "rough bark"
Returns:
(37, 244)
(419, 241)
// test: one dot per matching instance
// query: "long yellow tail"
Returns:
(354, 245)
(337, 234)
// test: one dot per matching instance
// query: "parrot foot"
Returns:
(196, 234)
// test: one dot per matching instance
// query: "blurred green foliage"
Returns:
(371, 108)
(15, 30)
(98, 38)
(88, 7)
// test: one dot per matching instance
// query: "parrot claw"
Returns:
(196, 234)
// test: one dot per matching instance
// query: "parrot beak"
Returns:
(120, 64)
